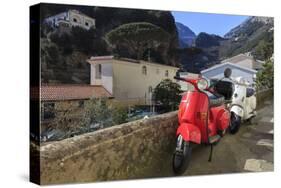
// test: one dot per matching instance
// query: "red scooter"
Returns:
(203, 118)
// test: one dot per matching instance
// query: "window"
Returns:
(86, 23)
(74, 19)
(150, 89)
(48, 111)
(144, 70)
(98, 71)
(167, 73)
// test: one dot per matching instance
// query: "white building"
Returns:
(217, 72)
(242, 65)
(129, 80)
(71, 18)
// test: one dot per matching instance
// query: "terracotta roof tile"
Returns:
(72, 92)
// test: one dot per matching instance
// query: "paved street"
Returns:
(250, 150)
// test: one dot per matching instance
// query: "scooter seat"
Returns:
(216, 100)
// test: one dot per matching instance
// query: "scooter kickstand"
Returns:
(211, 153)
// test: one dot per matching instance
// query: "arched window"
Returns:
(150, 89)
(76, 19)
(144, 70)
(166, 73)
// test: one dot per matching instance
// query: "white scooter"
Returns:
(243, 106)
(243, 101)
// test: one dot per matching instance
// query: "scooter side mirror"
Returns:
(227, 72)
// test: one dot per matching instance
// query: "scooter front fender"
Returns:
(238, 110)
(189, 132)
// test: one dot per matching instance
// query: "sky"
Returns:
(218, 24)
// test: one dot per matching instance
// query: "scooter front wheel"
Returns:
(182, 155)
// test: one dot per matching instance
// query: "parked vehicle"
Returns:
(243, 101)
(203, 119)
(243, 106)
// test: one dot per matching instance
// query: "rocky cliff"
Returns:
(186, 35)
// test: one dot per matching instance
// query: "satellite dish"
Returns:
(227, 72)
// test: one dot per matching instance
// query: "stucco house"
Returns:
(129, 81)
(60, 98)
(71, 18)
(217, 72)
(242, 65)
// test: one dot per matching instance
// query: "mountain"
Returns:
(248, 37)
(203, 54)
(254, 35)
(249, 26)
(185, 35)
(205, 40)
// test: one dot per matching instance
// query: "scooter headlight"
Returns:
(202, 84)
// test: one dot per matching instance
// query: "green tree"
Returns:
(264, 50)
(137, 37)
(265, 78)
(63, 41)
(98, 111)
(168, 93)
(119, 115)
(84, 40)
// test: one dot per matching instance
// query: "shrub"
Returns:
(167, 93)
(265, 78)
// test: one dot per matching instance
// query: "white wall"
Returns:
(68, 16)
(106, 77)
(236, 72)
(81, 20)
(55, 18)
(131, 84)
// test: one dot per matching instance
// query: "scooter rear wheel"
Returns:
(182, 155)
(235, 123)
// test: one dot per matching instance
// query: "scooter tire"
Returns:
(182, 158)
(235, 123)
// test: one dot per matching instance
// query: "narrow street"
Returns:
(250, 150)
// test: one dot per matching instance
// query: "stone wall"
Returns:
(263, 96)
(139, 149)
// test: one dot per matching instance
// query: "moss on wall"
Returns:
(139, 149)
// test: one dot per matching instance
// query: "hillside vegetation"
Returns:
(64, 54)
(249, 36)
